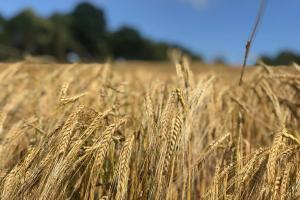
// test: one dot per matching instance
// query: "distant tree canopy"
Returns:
(27, 32)
(2, 23)
(2, 29)
(128, 37)
(82, 31)
(282, 58)
(89, 27)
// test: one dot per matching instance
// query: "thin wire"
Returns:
(259, 15)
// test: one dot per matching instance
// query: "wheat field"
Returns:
(99, 131)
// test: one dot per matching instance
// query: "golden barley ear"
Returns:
(123, 169)
(173, 140)
(67, 130)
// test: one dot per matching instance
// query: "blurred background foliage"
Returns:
(83, 35)
(282, 58)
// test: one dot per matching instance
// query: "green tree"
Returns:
(3, 34)
(282, 58)
(29, 33)
(287, 58)
(129, 44)
(89, 28)
(63, 40)
(82, 31)
(126, 43)
(2, 24)
(4, 44)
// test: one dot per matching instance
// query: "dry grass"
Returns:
(91, 131)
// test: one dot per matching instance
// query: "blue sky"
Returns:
(209, 27)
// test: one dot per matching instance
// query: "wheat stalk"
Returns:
(122, 171)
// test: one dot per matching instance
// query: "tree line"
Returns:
(82, 32)
(283, 58)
